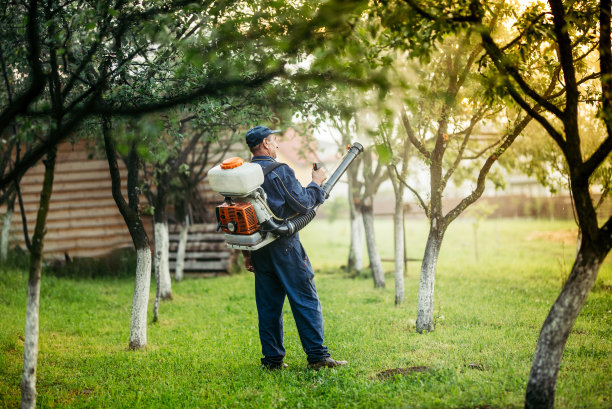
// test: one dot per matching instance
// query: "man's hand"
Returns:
(319, 176)
(248, 264)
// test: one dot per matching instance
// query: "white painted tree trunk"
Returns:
(140, 301)
(398, 270)
(162, 254)
(180, 252)
(375, 263)
(30, 348)
(4, 235)
(356, 250)
(424, 321)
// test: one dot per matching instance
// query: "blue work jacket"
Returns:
(286, 195)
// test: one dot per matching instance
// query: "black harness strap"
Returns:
(271, 167)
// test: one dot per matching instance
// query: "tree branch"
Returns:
(412, 137)
(566, 58)
(37, 85)
(516, 39)
(506, 68)
(212, 88)
(484, 171)
(468, 132)
(605, 61)
(419, 198)
(586, 169)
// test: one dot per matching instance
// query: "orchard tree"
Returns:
(373, 174)
(575, 35)
(398, 170)
(334, 113)
(455, 128)
(562, 37)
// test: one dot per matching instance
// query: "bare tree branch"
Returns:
(468, 132)
(585, 170)
(416, 194)
(484, 171)
(413, 139)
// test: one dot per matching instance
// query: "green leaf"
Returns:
(384, 153)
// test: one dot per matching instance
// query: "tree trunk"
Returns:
(180, 253)
(375, 263)
(424, 321)
(133, 221)
(157, 284)
(30, 348)
(355, 260)
(399, 255)
(162, 267)
(162, 242)
(140, 300)
(4, 235)
(541, 386)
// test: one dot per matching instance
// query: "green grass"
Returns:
(205, 351)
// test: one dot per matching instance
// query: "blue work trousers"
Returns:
(282, 269)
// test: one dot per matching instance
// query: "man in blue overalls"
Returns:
(282, 267)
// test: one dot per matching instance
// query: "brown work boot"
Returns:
(326, 363)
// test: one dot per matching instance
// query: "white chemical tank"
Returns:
(235, 177)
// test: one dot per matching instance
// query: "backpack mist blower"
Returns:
(245, 216)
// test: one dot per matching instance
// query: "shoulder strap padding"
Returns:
(271, 167)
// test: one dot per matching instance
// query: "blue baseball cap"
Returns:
(254, 136)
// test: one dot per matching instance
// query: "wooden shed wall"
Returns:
(83, 219)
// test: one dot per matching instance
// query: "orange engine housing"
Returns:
(237, 218)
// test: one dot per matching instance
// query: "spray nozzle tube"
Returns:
(353, 151)
(290, 226)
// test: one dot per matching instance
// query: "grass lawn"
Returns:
(205, 351)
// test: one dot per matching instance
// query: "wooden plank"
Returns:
(77, 165)
(201, 247)
(82, 213)
(203, 266)
(77, 224)
(59, 205)
(75, 196)
(63, 177)
(69, 187)
(74, 234)
(205, 237)
(203, 255)
(71, 246)
(174, 237)
(194, 228)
